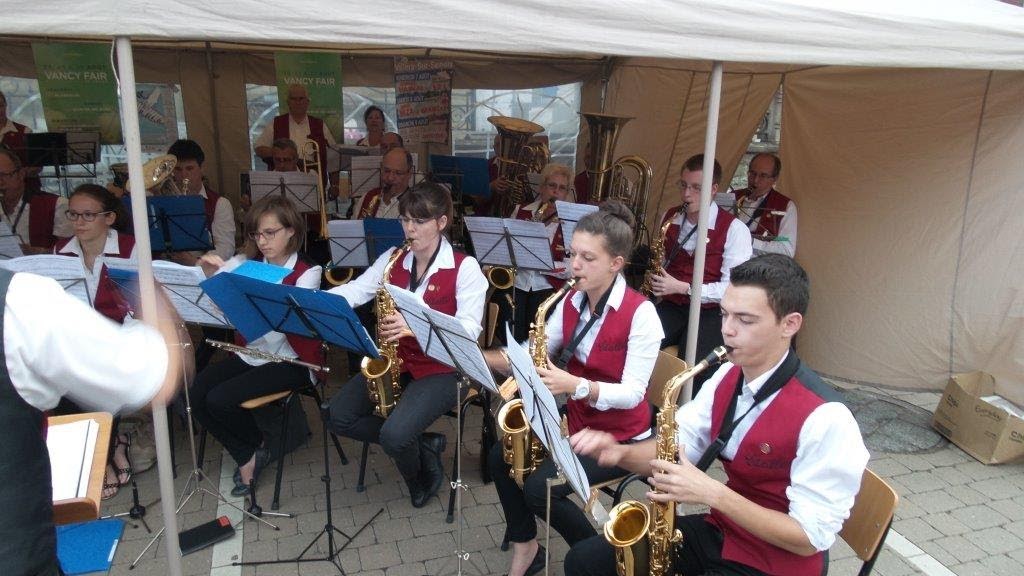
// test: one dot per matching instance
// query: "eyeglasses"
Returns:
(390, 172)
(555, 186)
(87, 216)
(760, 175)
(417, 221)
(684, 186)
(265, 234)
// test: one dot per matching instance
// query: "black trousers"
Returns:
(523, 505)
(221, 388)
(422, 401)
(674, 321)
(526, 310)
(700, 553)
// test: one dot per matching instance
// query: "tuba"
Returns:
(630, 521)
(520, 447)
(628, 179)
(516, 155)
(382, 374)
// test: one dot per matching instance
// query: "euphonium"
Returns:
(656, 267)
(627, 525)
(521, 448)
(382, 374)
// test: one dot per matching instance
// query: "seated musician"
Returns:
(770, 215)
(95, 214)
(36, 217)
(448, 281)
(396, 169)
(285, 155)
(276, 232)
(531, 286)
(728, 245)
(220, 219)
(794, 462)
(604, 337)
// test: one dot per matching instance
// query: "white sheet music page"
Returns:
(10, 243)
(489, 241)
(365, 174)
(299, 187)
(181, 284)
(348, 243)
(71, 447)
(569, 213)
(530, 244)
(66, 270)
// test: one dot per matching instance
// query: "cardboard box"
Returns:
(983, 430)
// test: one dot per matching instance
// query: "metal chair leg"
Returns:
(361, 485)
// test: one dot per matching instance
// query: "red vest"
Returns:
(42, 208)
(681, 266)
(15, 142)
(108, 299)
(767, 227)
(370, 205)
(605, 363)
(316, 134)
(307, 349)
(520, 212)
(439, 295)
(210, 207)
(760, 471)
(582, 185)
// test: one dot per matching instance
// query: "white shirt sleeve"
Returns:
(363, 288)
(738, 249)
(55, 345)
(786, 242)
(310, 279)
(645, 336)
(470, 291)
(223, 229)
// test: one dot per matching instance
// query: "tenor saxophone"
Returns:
(630, 521)
(656, 268)
(520, 447)
(382, 374)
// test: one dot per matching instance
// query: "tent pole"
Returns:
(147, 288)
(710, 142)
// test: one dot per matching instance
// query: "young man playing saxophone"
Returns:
(794, 462)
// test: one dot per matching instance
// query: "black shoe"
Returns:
(262, 459)
(237, 477)
(538, 562)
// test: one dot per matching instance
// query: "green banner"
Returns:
(78, 89)
(320, 73)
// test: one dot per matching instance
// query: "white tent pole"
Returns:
(710, 141)
(147, 288)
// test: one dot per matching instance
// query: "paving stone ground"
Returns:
(968, 516)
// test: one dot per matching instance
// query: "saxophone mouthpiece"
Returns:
(717, 355)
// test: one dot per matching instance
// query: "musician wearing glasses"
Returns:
(602, 342)
(37, 218)
(447, 281)
(531, 286)
(770, 215)
(728, 245)
(396, 169)
(275, 235)
(792, 451)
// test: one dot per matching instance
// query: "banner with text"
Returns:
(423, 98)
(78, 89)
(320, 73)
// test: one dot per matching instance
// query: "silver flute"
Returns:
(265, 355)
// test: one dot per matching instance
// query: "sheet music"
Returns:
(365, 174)
(66, 270)
(569, 213)
(299, 187)
(181, 284)
(10, 243)
(542, 411)
(488, 236)
(419, 317)
(71, 447)
(530, 244)
(348, 243)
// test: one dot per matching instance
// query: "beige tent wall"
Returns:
(880, 165)
(668, 101)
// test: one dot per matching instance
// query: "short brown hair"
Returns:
(286, 214)
(426, 200)
(695, 163)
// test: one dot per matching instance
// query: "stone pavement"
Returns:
(956, 516)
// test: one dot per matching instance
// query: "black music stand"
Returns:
(61, 149)
(445, 339)
(256, 308)
(177, 223)
(299, 187)
(358, 243)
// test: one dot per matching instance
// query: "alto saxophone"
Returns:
(382, 374)
(656, 267)
(520, 447)
(630, 521)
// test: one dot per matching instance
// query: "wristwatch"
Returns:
(582, 389)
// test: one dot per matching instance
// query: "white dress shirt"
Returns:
(93, 275)
(645, 336)
(222, 228)
(830, 458)
(55, 345)
(786, 240)
(470, 285)
(18, 219)
(738, 250)
(298, 132)
(275, 342)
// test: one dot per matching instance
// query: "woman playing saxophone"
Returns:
(604, 339)
(447, 281)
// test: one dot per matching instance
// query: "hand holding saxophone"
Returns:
(393, 327)
(557, 380)
(664, 284)
(682, 482)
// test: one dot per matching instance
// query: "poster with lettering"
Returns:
(320, 73)
(423, 98)
(78, 89)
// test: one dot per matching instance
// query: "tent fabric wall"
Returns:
(894, 231)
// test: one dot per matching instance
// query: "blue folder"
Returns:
(88, 546)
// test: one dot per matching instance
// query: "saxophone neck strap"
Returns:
(414, 281)
(567, 352)
(775, 383)
(679, 245)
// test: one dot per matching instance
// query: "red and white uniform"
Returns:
(772, 220)
(105, 296)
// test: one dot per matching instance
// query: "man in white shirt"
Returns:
(396, 168)
(794, 459)
(298, 126)
(38, 219)
(770, 215)
(220, 218)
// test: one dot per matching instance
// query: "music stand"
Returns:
(569, 213)
(467, 175)
(256, 308)
(60, 149)
(177, 223)
(445, 339)
(180, 284)
(299, 187)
